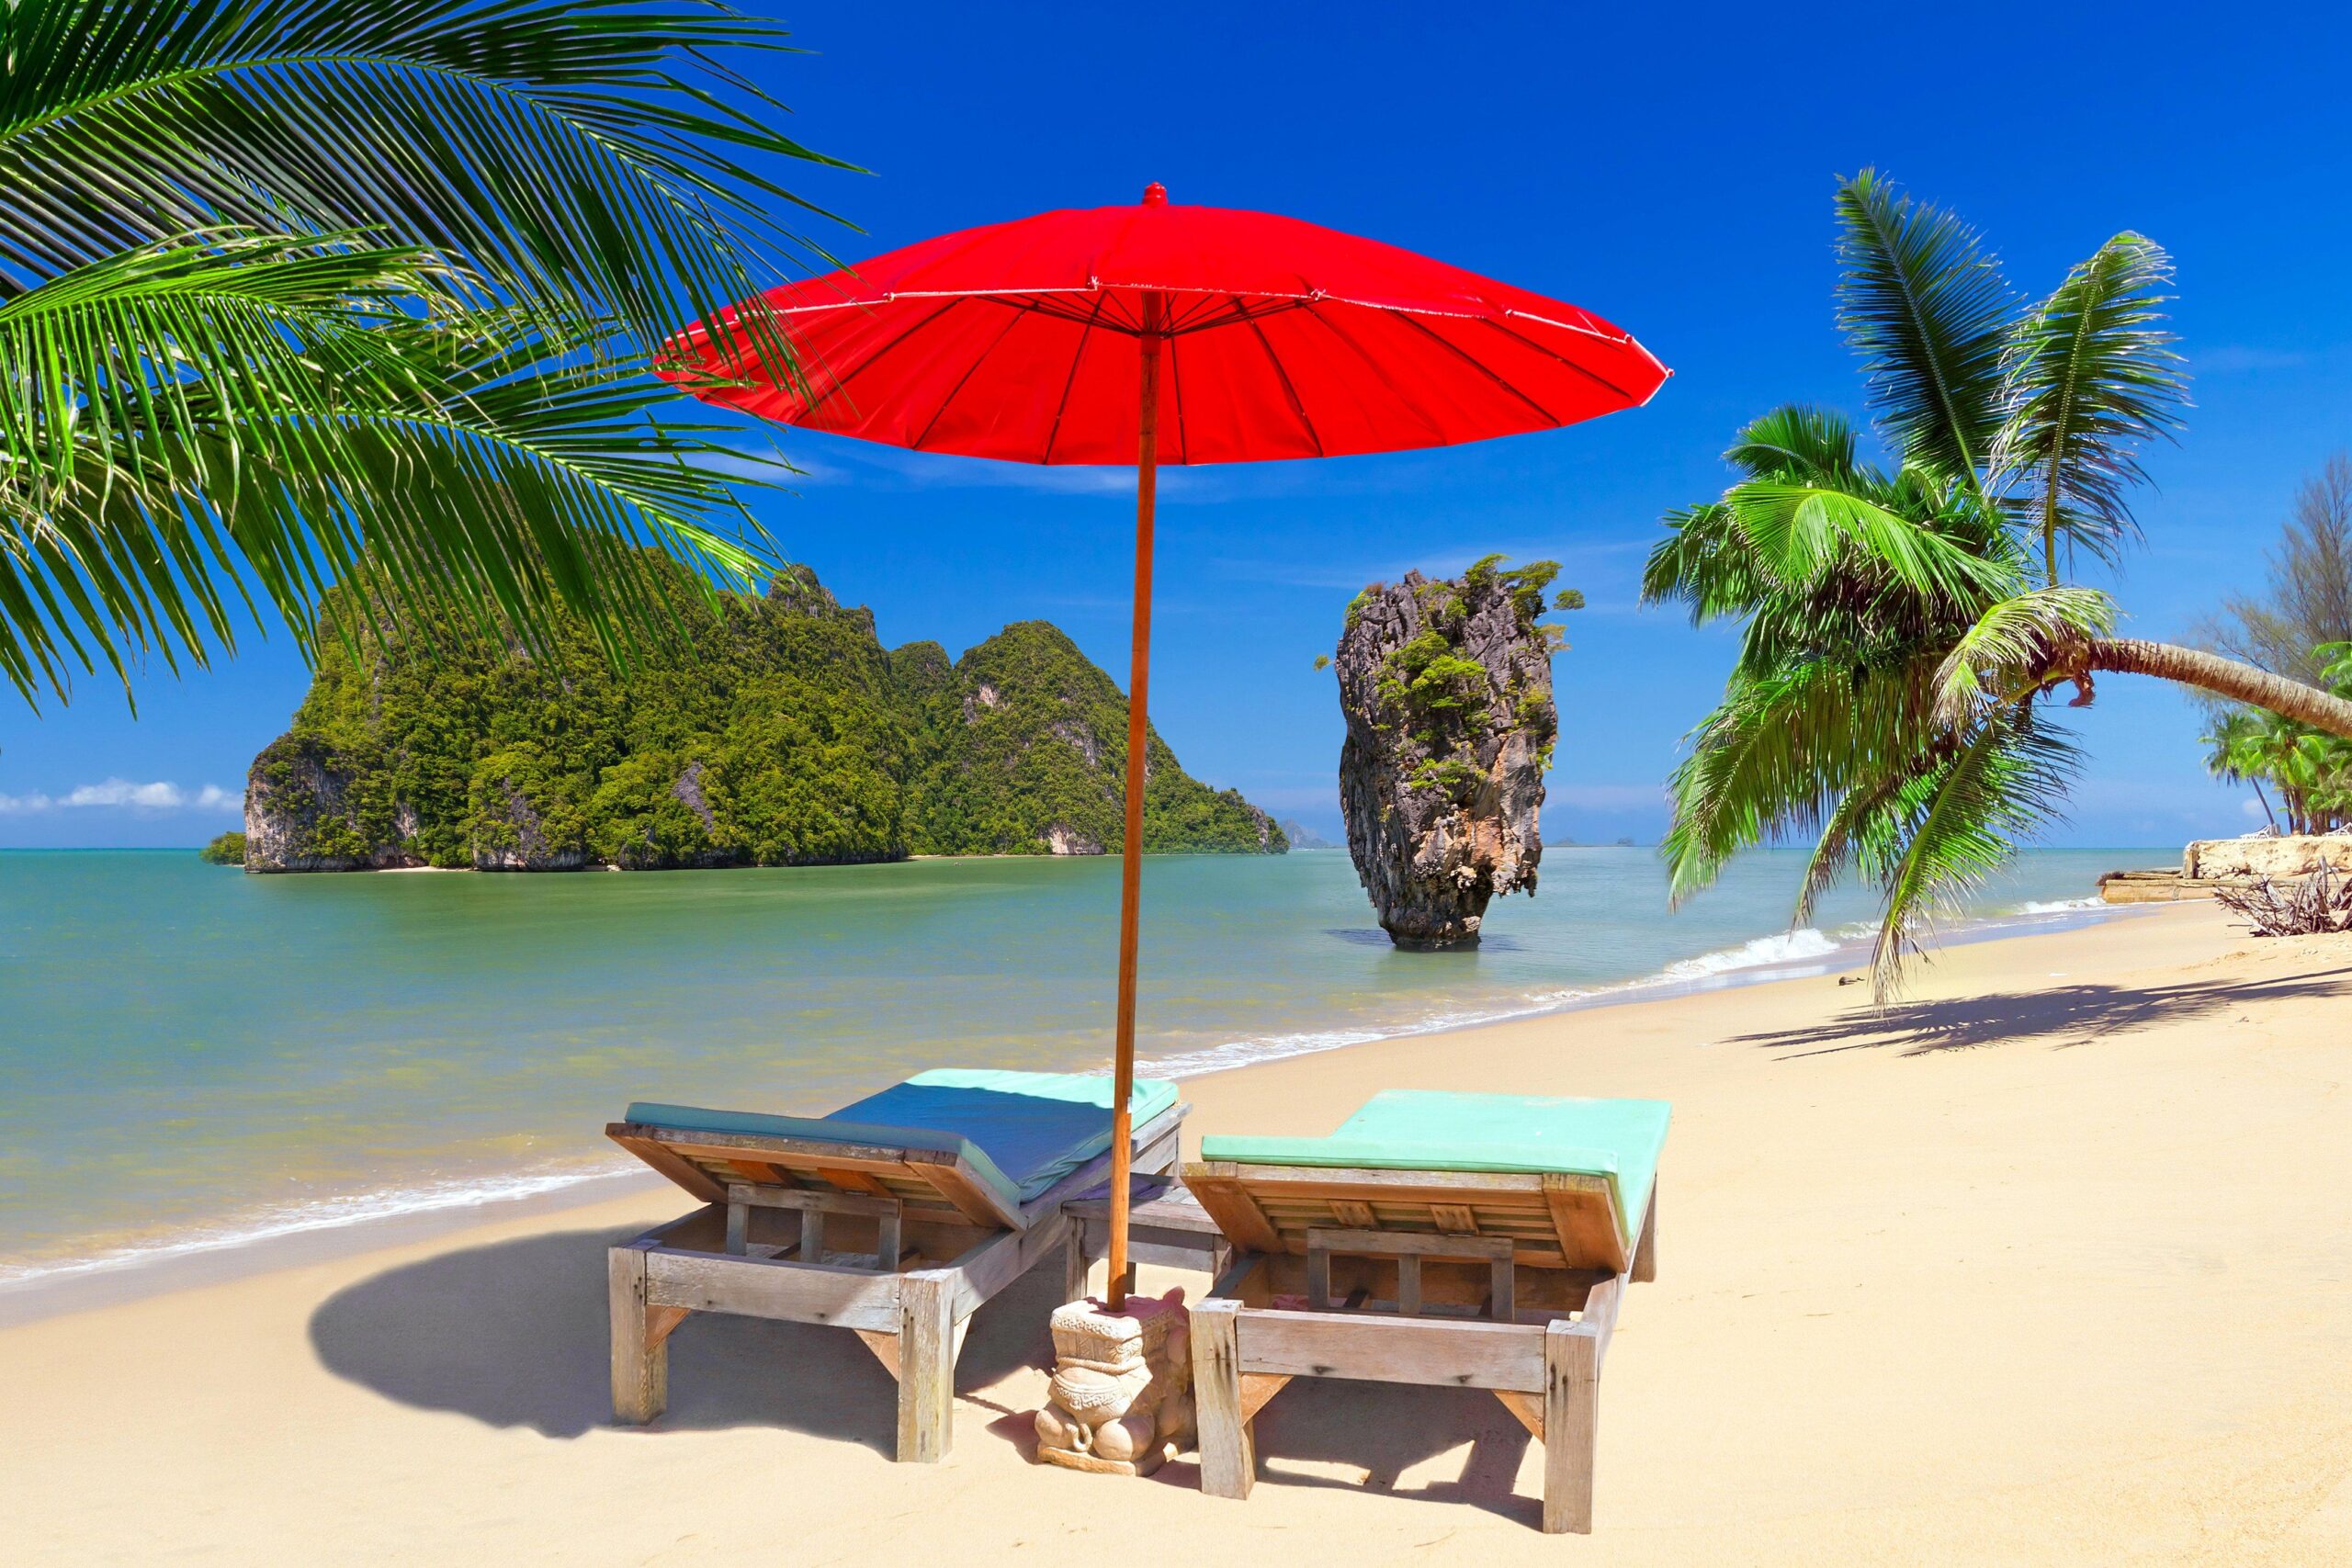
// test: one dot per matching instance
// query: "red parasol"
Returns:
(1163, 333)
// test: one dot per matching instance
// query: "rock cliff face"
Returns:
(1447, 691)
(780, 733)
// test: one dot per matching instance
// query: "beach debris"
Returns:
(1121, 1399)
(2317, 904)
(1446, 686)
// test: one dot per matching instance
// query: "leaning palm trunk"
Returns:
(2223, 677)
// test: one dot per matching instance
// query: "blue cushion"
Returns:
(1020, 1132)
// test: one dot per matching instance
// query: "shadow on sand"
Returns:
(2064, 1016)
(514, 1335)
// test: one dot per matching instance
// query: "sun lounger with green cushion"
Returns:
(896, 1216)
(1462, 1240)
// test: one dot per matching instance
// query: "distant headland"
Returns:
(776, 731)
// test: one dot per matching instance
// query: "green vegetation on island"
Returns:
(777, 732)
(228, 848)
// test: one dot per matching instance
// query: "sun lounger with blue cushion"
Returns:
(896, 1217)
(1461, 1240)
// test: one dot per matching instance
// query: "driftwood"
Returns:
(2303, 906)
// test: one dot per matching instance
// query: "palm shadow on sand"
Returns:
(2064, 1016)
(513, 1334)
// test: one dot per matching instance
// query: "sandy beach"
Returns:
(2050, 1262)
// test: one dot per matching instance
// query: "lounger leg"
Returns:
(1571, 1417)
(1228, 1460)
(1075, 1264)
(641, 1359)
(1645, 1249)
(926, 1366)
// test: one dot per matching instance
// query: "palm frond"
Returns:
(477, 460)
(2092, 378)
(1960, 821)
(1794, 442)
(586, 154)
(1803, 532)
(1925, 307)
(1763, 766)
(2003, 656)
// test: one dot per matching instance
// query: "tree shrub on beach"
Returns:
(1900, 624)
(228, 848)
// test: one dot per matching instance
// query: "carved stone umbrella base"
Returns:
(1122, 1397)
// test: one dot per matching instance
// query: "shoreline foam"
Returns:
(262, 1240)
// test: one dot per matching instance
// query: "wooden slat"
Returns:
(670, 1165)
(1584, 1217)
(885, 1348)
(1527, 1407)
(1440, 1352)
(1571, 1417)
(1257, 1388)
(797, 1292)
(1353, 1213)
(1398, 1243)
(804, 1198)
(854, 1181)
(1232, 1207)
(1229, 1458)
(1599, 1314)
(1646, 1250)
(926, 1368)
(1244, 1280)
(640, 1365)
(662, 1322)
(1454, 1218)
(1408, 1285)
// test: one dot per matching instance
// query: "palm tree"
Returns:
(2311, 769)
(1901, 621)
(295, 292)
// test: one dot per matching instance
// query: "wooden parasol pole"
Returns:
(1123, 1076)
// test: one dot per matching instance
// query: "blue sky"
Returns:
(1672, 170)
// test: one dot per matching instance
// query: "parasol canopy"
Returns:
(1154, 333)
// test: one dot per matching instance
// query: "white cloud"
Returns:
(126, 794)
(2254, 809)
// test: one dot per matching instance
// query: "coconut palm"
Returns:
(2311, 769)
(295, 292)
(1902, 621)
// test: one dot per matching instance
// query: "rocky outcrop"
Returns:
(1446, 686)
(2268, 855)
(305, 811)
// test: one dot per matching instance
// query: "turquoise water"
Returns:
(190, 1057)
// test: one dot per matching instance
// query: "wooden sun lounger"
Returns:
(899, 1244)
(1505, 1281)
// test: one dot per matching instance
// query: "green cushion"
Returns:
(1524, 1133)
(1020, 1132)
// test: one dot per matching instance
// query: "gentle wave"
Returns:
(319, 1214)
(1787, 955)
(1803, 951)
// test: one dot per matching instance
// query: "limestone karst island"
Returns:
(1009, 786)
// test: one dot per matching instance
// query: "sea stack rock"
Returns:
(1447, 690)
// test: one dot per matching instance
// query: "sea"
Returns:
(193, 1060)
